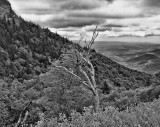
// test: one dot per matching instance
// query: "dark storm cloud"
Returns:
(38, 11)
(152, 3)
(73, 22)
(101, 15)
(135, 24)
(62, 5)
(82, 4)
(113, 25)
(149, 3)
(72, 9)
(65, 8)
(106, 27)
(78, 5)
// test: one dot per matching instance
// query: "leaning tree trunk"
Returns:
(94, 84)
(97, 102)
(91, 82)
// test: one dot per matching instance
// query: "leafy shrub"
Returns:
(143, 115)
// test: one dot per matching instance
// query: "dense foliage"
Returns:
(143, 115)
(25, 48)
(119, 75)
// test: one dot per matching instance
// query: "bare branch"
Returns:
(88, 79)
(86, 84)
(81, 38)
(71, 72)
(92, 41)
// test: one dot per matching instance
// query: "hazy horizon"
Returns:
(153, 39)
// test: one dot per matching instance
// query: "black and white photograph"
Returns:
(79, 63)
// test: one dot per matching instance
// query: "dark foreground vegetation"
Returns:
(32, 84)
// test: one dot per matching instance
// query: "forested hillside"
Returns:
(27, 47)
(28, 75)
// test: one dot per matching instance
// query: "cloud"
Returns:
(118, 9)
(37, 18)
(63, 22)
(70, 29)
(78, 8)
(139, 31)
(104, 27)
(80, 5)
(151, 3)
(99, 29)
(72, 17)
(113, 25)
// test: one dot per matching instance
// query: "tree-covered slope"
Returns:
(26, 47)
(119, 75)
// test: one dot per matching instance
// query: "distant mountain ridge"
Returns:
(156, 51)
(144, 57)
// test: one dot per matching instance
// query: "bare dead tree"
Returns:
(90, 82)
(84, 65)
(90, 77)
(92, 41)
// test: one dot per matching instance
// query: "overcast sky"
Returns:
(74, 17)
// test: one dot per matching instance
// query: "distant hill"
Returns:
(156, 52)
(121, 76)
(153, 66)
(148, 62)
(142, 58)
